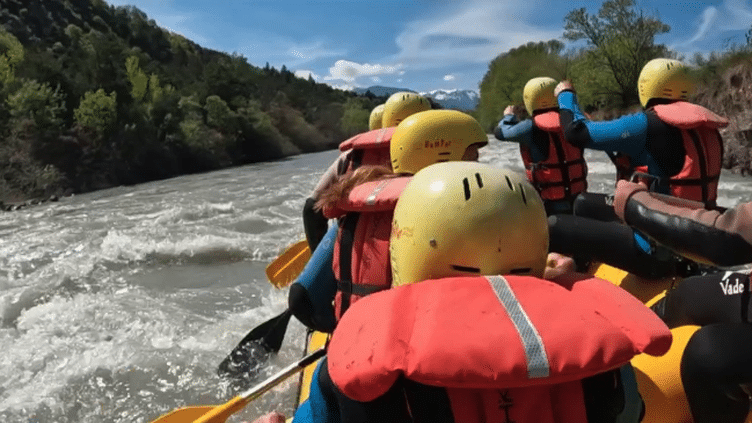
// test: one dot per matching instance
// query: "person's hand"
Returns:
(509, 110)
(562, 86)
(557, 265)
(273, 417)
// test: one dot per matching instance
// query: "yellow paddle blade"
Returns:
(186, 414)
(204, 413)
(220, 413)
(285, 268)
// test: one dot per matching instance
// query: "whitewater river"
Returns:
(118, 305)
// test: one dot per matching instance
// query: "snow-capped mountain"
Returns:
(454, 99)
(380, 91)
(448, 99)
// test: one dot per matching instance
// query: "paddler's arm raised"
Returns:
(511, 129)
(721, 238)
(627, 134)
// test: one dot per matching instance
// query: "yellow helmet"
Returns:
(374, 121)
(539, 94)
(433, 136)
(401, 105)
(467, 218)
(664, 78)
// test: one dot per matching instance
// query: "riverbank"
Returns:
(18, 205)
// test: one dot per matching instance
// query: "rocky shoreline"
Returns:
(18, 205)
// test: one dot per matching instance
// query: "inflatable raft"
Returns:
(658, 378)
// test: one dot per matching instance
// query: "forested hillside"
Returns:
(619, 40)
(93, 96)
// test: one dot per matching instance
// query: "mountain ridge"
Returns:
(465, 100)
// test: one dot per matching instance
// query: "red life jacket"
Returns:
(703, 145)
(361, 253)
(528, 336)
(562, 175)
(369, 148)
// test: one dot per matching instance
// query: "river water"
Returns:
(118, 305)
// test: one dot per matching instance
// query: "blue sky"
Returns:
(420, 44)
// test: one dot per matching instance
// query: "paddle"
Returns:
(282, 271)
(266, 339)
(220, 413)
(262, 341)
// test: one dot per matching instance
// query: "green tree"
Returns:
(138, 79)
(11, 52)
(97, 110)
(509, 72)
(354, 117)
(38, 102)
(622, 39)
(219, 115)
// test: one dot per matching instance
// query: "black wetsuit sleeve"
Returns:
(721, 238)
(664, 143)
(315, 224)
(576, 132)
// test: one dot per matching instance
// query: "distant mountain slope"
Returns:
(380, 91)
(449, 99)
(455, 99)
(94, 95)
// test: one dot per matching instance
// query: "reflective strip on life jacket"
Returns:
(535, 352)
(467, 332)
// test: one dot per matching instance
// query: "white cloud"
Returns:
(475, 33)
(708, 17)
(347, 71)
(305, 74)
(737, 15)
(731, 15)
(449, 78)
(282, 51)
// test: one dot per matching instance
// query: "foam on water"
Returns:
(118, 305)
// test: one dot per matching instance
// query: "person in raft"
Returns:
(716, 367)
(556, 168)
(368, 148)
(676, 145)
(363, 202)
(471, 332)
(354, 261)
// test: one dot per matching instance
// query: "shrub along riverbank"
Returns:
(94, 96)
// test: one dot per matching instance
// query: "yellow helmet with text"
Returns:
(374, 121)
(402, 104)
(539, 94)
(467, 218)
(433, 136)
(664, 78)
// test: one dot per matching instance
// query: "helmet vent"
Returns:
(466, 183)
(479, 180)
(466, 269)
(509, 182)
(522, 191)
